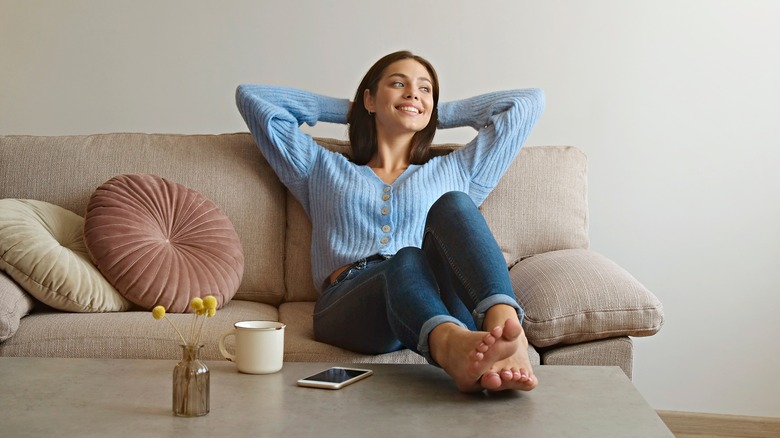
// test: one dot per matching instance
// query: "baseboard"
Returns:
(693, 424)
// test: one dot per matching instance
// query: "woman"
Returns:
(401, 254)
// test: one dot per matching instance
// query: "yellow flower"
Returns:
(158, 312)
(212, 312)
(210, 302)
(196, 304)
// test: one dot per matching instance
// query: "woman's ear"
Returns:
(368, 101)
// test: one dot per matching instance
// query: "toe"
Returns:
(491, 381)
(506, 375)
(497, 332)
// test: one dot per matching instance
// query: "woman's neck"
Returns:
(391, 158)
(392, 152)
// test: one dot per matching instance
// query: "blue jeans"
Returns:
(380, 304)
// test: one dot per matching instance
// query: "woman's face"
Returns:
(403, 102)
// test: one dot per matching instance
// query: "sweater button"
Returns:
(385, 197)
(384, 240)
(386, 228)
(385, 211)
(386, 189)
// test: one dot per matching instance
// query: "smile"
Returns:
(410, 109)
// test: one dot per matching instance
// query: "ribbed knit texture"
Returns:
(354, 214)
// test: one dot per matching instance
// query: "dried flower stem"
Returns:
(192, 326)
(175, 328)
(200, 330)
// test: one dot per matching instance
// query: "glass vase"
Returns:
(191, 384)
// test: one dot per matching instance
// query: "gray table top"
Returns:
(97, 397)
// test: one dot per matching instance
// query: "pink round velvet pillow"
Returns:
(160, 243)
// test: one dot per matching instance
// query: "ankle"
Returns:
(497, 316)
(438, 340)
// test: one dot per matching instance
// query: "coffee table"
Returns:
(127, 397)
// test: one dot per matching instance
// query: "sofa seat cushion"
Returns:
(606, 352)
(161, 243)
(124, 335)
(15, 303)
(577, 295)
(42, 248)
(300, 346)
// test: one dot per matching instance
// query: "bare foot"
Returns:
(515, 371)
(466, 356)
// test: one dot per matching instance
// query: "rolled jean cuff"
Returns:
(487, 303)
(422, 344)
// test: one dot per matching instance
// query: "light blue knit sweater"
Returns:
(354, 214)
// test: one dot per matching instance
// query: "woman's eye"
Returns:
(398, 84)
(425, 89)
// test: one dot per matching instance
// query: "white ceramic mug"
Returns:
(259, 346)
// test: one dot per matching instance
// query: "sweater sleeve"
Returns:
(504, 120)
(274, 116)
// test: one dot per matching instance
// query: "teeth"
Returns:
(409, 108)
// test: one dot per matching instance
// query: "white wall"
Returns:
(674, 101)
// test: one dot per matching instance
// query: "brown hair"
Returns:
(362, 126)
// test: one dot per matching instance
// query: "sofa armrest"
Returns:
(577, 295)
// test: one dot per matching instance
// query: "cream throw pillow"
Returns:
(42, 248)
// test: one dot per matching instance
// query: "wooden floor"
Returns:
(696, 425)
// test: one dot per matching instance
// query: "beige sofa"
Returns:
(581, 308)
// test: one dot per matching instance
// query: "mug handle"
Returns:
(222, 349)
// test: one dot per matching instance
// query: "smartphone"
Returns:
(335, 378)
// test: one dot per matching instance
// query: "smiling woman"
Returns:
(401, 254)
(416, 82)
(401, 105)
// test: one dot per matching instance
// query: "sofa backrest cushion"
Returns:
(540, 205)
(227, 168)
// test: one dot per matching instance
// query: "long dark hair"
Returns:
(362, 126)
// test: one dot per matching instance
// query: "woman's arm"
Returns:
(504, 120)
(496, 107)
(274, 116)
